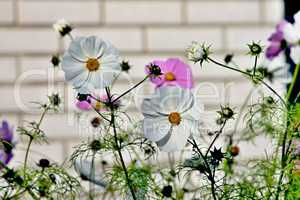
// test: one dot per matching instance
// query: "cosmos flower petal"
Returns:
(295, 54)
(148, 110)
(171, 64)
(156, 128)
(174, 98)
(176, 140)
(290, 34)
(76, 51)
(92, 46)
(181, 72)
(297, 21)
(273, 50)
(71, 67)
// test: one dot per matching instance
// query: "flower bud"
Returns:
(62, 27)
(234, 150)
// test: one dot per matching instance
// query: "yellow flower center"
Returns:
(169, 76)
(92, 64)
(174, 118)
(99, 105)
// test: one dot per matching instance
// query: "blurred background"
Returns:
(142, 30)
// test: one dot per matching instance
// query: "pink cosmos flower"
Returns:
(97, 102)
(174, 73)
(84, 105)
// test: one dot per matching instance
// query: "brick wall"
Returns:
(142, 30)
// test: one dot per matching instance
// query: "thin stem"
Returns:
(250, 75)
(296, 72)
(216, 137)
(297, 97)
(31, 138)
(120, 155)
(255, 64)
(101, 115)
(285, 149)
(210, 175)
(112, 122)
(27, 154)
(129, 90)
(228, 67)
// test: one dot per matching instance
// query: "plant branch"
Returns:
(130, 89)
(210, 175)
(216, 137)
(113, 124)
(251, 76)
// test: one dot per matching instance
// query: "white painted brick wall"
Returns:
(51, 11)
(143, 30)
(228, 12)
(125, 39)
(26, 40)
(135, 12)
(239, 37)
(177, 39)
(8, 72)
(6, 12)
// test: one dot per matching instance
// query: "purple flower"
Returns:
(6, 136)
(174, 72)
(277, 42)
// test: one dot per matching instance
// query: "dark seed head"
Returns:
(55, 60)
(82, 97)
(44, 163)
(95, 122)
(228, 58)
(167, 191)
(95, 145)
(154, 70)
(125, 66)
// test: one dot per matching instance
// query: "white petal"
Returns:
(76, 51)
(291, 34)
(71, 67)
(156, 128)
(92, 46)
(110, 49)
(177, 138)
(194, 113)
(173, 99)
(295, 54)
(149, 109)
(297, 20)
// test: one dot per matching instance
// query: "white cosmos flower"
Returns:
(295, 54)
(195, 52)
(170, 117)
(90, 63)
(291, 34)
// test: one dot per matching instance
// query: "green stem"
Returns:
(113, 124)
(31, 139)
(285, 136)
(26, 155)
(255, 64)
(250, 76)
(290, 90)
(210, 175)
(216, 137)
(129, 90)
(121, 156)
